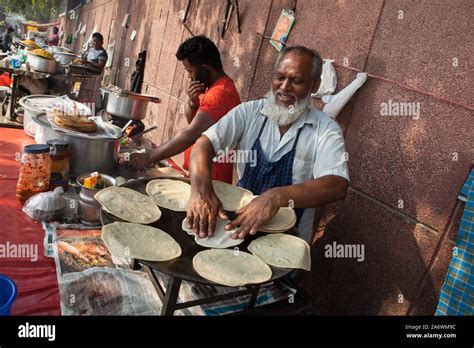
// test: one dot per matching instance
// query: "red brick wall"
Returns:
(405, 178)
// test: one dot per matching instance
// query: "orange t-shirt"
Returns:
(218, 100)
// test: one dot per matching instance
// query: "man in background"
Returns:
(7, 38)
(212, 94)
(96, 56)
(53, 39)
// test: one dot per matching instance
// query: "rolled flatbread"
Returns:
(221, 238)
(169, 194)
(142, 242)
(282, 250)
(231, 267)
(128, 205)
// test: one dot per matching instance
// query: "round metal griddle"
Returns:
(171, 222)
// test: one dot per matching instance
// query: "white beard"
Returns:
(282, 115)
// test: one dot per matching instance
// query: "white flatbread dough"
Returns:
(231, 268)
(137, 241)
(169, 194)
(282, 250)
(221, 238)
(232, 197)
(128, 204)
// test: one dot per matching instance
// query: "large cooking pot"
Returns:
(34, 105)
(41, 64)
(128, 104)
(87, 154)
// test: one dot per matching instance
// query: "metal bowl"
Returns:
(89, 208)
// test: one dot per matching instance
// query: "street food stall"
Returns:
(42, 69)
(118, 244)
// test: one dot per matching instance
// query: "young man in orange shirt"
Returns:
(212, 94)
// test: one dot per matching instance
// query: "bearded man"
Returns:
(300, 153)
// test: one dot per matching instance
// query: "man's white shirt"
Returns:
(320, 150)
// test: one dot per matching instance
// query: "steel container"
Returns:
(89, 208)
(41, 64)
(87, 154)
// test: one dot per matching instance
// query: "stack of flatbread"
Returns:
(169, 194)
(76, 123)
(128, 205)
(284, 220)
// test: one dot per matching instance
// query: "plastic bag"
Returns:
(328, 79)
(335, 103)
(46, 206)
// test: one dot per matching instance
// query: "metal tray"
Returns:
(171, 222)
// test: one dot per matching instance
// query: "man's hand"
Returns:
(195, 89)
(203, 208)
(138, 161)
(251, 217)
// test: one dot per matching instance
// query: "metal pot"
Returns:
(60, 49)
(34, 105)
(128, 104)
(41, 64)
(64, 58)
(89, 208)
(87, 154)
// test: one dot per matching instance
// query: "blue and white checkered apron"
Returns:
(457, 293)
(266, 175)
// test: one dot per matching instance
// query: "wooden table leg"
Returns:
(171, 296)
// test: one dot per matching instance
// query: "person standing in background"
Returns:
(7, 40)
(53, 39)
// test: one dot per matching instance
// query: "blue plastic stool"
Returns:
(8, 292)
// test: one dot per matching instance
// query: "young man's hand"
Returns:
(195, 89)
(138, 161)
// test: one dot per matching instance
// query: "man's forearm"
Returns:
(190, 113)
(311, 193)
(95, 65)
(173, 147)
(200, 167)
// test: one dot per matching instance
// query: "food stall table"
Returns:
(35, 275)
(181, 268)
(17, 73)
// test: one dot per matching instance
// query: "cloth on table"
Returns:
(33, 273)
